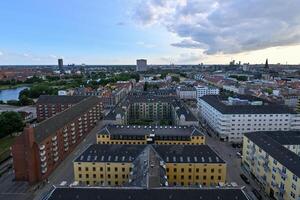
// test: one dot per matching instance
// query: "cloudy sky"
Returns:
(163, 31)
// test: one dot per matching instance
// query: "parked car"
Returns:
(257, 194)
(245, 179)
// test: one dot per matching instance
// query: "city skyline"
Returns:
(163, 32)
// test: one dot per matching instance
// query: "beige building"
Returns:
(273, 158)
(116, 165)
(136, 134)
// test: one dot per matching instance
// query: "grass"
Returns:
(5, 144)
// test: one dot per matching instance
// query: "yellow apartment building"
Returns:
(116, 165)
(273, 159)
(137, 134)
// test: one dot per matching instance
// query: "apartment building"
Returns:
(42, 147)
(136, 134)
(273, 158)
(186, 93)
(176, 193)
(205, 90)
(231, 117)
(156, 109)
(49, 105)
(116, 165)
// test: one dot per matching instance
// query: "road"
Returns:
(229, 155)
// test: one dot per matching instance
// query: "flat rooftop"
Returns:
(55, 99)
(139, 130)
(176, 193)
(217, 102)
(272, 143)
(169, 153)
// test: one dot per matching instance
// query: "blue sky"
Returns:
(163, 31)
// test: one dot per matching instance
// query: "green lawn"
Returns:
(5, 144)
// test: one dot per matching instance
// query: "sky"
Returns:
(161, 31)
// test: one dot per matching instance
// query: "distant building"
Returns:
(205, 90)
(273, 158)
(60, 64)
(141, 65)
(231, 117)
(186, 93)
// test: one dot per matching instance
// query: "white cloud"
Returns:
(225, 26)
(146, 45)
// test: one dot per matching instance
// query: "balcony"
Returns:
(65, 134)
(54, 143)
(54, 138)
(44, 170)
(44, 164)
(73, 137)
(66, 144)
(67, 148)
(42, 147)
(282, 174)
(42, 153)
(55, 154)
(65, 130)
(55, 148)
(56, 159)
(73, 133)
(43, 158)
(73, 129)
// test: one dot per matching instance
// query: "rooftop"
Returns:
(55, 99)
(147, 130)
(56, 122)
(176, 193)
(216, 101)
(169, 153)
(272, 143)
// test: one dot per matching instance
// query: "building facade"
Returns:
(273, 158)
(184, 165)
(230, 118)
(136, 134)
(41, 148)
(149, 108)
(186, 93)
(141, 65)
(49, 105)
(205, 90)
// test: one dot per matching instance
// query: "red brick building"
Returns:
(48, 106)
(40, 149)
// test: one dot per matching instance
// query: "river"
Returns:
(11, 94)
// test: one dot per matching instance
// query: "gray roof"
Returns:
(138, 130)
(122, 193)
(272, 143)
(55, 99)
(169, 153)
(148, 170)
(150, 98)
(267, 108)
(53, 124)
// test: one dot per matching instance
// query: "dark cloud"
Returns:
(227, 26)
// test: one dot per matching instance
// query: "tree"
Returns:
(175, 79)
(10, 122)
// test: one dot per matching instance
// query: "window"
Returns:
(79, 168)
(204, 170)
(212, 177)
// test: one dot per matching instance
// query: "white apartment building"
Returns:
(204, 90)
(231, 118)
(187, 93)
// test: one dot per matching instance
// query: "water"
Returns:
(11, 94)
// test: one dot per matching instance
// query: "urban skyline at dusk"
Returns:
(164, 32)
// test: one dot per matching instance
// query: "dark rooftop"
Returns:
(138, 130)
(55, 99)
(97, 193)
(51, 125)
(169, 153)
(272, 143)
(267, 108)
